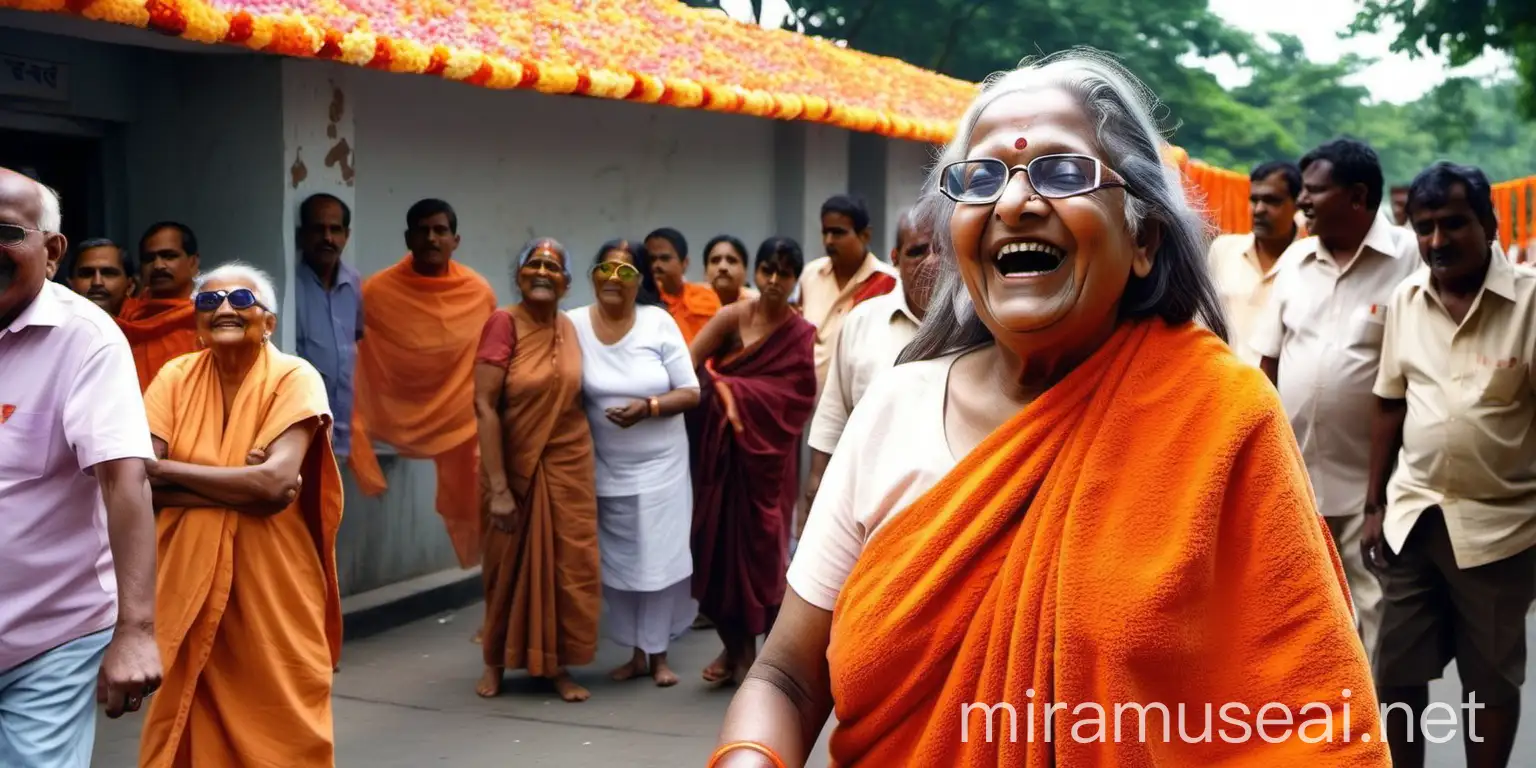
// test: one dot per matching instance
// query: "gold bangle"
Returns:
(655, 407)
(753, 746)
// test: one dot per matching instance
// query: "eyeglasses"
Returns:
(981, 182)
(15, 234)
(607, 269)
(239, 298)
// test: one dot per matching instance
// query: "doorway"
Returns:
(71, 165)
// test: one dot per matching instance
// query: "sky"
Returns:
(1394, 78)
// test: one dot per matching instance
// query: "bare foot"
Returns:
(490, 683)
(661, 673)
(568, 688)
(630, 670)
(476, 638)
(719, 669)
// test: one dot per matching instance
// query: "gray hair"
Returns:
(245, 274)
(1178, 289)
(535, 244)
(49, 219)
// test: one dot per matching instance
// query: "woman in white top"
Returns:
(637, 380)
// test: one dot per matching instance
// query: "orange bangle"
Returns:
(747, 745)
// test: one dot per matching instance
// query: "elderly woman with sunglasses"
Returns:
(1071, 516)
(248, 615)
(539, 549)
(637, 381)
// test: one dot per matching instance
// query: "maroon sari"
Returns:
(746, 474)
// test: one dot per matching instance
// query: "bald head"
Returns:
(29, 240)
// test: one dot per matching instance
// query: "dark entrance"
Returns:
(71, 165)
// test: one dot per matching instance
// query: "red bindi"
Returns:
(1020, 143)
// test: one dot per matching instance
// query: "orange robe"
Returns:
(1143, 534)
(158, 331)
(415, 387)
(247, 609)
(693, 309)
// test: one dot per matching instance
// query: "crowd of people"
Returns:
(632, 465)
(1063, 447)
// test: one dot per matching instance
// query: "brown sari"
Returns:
(542, 586)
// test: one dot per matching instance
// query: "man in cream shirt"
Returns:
(1244, 266)
(1320, 341)
(872, 337)
(1451, 530)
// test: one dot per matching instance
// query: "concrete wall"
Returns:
(230, 143)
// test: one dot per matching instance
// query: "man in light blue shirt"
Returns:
(329, 305)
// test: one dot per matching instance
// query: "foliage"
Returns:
(1463, 30)
(1290, 104)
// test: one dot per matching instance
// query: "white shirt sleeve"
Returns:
(833, 539)
(104, 417)
(1268, 335)
(833, 408)
(674, 353)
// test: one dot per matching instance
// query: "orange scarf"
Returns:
(415, 387)
(1142, 534)
(254, 598)
(693, 309)
(158, 330)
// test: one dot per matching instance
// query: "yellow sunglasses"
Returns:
(607, 269)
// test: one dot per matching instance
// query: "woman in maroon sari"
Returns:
(757, 377)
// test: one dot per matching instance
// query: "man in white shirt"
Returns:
(1452, 530)
(77, 534)
(872, 337)
(1320, 341)
(1244, 266)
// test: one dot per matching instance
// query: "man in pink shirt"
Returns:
(77, 534)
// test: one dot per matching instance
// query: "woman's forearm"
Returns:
(677, 401)
(250, 487)
(771, 711)
(167, 496)
(489, 428)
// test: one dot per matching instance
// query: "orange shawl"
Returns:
(158, 330)
(248, 611)
(415, 386)
(1143, 534)
(693, 309)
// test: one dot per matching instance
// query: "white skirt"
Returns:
(649, 621)
(645, 540)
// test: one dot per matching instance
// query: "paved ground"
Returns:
(406, 698)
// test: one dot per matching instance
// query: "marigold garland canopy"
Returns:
(655, 51)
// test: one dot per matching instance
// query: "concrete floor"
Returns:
(406, 698)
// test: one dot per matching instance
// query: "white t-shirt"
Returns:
(651, 360)
(892, 451)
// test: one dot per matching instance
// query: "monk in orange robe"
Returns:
(1070, 527)
(249, 499)
(692, 305)
(159, 323)
(415, 370)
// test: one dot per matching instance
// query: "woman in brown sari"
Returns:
(540, 560)
(757, 377)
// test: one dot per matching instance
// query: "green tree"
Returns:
(1463, 30)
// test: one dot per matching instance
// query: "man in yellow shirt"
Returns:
(1451, 531)
(1243, 266)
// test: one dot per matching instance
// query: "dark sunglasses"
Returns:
(607, 269)
(239, 298)
(981, 182)
(15, 234)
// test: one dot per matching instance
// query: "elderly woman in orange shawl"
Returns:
(540, 557)
(248, 615)
(1070, 527)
